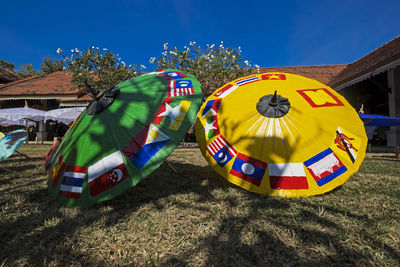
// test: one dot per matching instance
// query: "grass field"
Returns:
(195, 218)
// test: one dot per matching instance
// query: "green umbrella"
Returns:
(123, 135)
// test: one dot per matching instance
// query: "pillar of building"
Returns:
(393, 135)
(42, 133)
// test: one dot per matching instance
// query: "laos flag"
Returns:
(249, 169)
(172, 75)
(145, 145)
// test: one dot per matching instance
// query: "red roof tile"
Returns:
(321, 73)
(7, 76)
(54, 85)
(378, 58)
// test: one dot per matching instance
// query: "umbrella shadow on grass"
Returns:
(46, 231)
(274, 232)
(47, 225)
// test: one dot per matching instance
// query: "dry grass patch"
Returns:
(196, 218)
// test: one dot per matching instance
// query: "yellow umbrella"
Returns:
(281, 134)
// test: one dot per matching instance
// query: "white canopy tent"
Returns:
(15, 115)
(64, 115)
(18, 116)
(4, 122)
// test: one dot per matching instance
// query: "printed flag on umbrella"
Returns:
(124, 134)
(281, 134)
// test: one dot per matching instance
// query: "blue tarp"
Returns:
(379, 120)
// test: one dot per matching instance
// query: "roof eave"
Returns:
(38, 97)
(338, 86)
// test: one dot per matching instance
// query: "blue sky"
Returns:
(270, 33)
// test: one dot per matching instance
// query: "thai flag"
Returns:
(71, 185)
(106, 173)
(287, 176)
(172, 75)
(180, 88)
(211, 108)
(273, 76)
(249, 169)
(145, 145)
(57, 171)
(325, 167)
(221, 150)
(244, 81)
(226, 90)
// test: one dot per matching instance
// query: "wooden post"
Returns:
(397, 152)
(170, 166)
(27, 131)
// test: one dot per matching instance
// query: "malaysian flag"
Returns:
(221, 150)
(180, 88)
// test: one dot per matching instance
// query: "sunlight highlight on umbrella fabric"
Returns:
(281, 134)
(115, 143)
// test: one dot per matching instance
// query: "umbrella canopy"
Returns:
(281, 134)
(379, 120)
(11, 142)
(64, 115)
(116, 143)
(15, 115)
(4, 122)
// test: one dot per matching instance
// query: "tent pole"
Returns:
(27, 128)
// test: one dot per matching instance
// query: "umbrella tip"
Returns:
(96, 93)
(273, 106)
(274, 100)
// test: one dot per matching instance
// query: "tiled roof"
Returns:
(7, 76)
(55, 85)
(321, 73)
(379, 60)
(82, 101)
